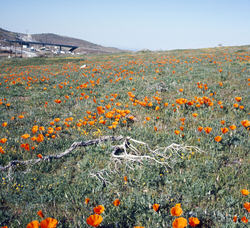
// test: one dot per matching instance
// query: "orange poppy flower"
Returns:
(208, 129)
(223, 122)
(247, 206)
(25, 136)
(236, 105)
(244, 219)
(125, 178)
(232, 127)
(39, 156)
(155, 128)
(99, 209)
(156, 207)
(1, 150)
(94, 220)
(21, 116)
(200, 128)
(116, 202)
(177, 132)
(40, 213)
(4, 124)
(40, 138)
(87, 200)
(49, 223)
(33, 224)
(224, 130)
(179, 223)
(194, 114)
(238, 99)
(3, 140)
(58, 101)
(235, 218)
(193, 221)
(218, 138)
(176, 210)
(244, 192)
(245, 123)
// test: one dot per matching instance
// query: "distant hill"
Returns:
(84, 46)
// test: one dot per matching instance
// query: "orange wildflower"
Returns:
(156, 207)
(1, 150)
(224, 130)
(179, 223)
(177, 132)
(223, 122)
(40, 213)
(194, 114)
(200, 128)
(125, 178)
(238, 99)
(247, 206)
(4, 124)
(155, 128)
(176, 210)
(193, 221)
(57, 119)
(40, 138)
(58, 101)
(3, 140)
(21, 116)
(235, 218)
(244, 219)
(39, 156)
(244, 192)
(94, 220)
(218, 138)
(245, 123)
(33, 224)
(87, 200)
(236, 105)
(116, 202)
(34, 129)
(25, 136)
(49, 223)
(232, 127)
(99, 209)
(208, 129)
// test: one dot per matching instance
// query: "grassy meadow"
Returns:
(189, 107)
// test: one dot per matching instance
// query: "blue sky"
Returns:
(134, 24)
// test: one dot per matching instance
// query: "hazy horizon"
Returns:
(134, 25)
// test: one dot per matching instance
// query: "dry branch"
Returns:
(57, 156)
(127, 152)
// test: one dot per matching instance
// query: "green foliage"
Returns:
(207, 184)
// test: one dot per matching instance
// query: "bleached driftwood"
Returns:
(75, 145)
(127, 152)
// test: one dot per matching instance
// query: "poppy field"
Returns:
(146, 139)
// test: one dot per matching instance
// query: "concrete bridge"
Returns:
(28, 43)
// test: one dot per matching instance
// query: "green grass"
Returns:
(207, 184)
